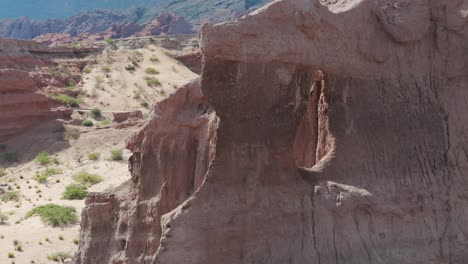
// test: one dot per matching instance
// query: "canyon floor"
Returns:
(121, 79)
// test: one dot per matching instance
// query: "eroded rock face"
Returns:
(341, 138)
(27, 69)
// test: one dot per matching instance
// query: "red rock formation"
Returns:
(385, 126)
(26, 69)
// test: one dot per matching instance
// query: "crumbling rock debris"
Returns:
(321, 132)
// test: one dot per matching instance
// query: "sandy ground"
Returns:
(31, 232)
(112, 87)
(119, 90)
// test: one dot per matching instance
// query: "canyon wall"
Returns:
(320, 132)
(26, 70)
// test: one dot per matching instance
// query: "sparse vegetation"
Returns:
(130, 68)
(96, 113)
(59, 256)
(71, 133)
(94, 155)
(55, 215)
(10, 156)
(117, 154)
(111, 43)
(88, 123)
(68, 100)
(87, 70)
(3, 218)
(11, 196)
(86, 178)
(151, 70)
(2, 172)
(144, 104)
(105, 122)
(154, 59)
(106, 69)
(52, 171)
(41, 178)
(75, 192)
(151, 81)
(99, 82)
(43, 158)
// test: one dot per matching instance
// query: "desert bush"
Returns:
(151, 81)
(151, 70)
(154, 59)
(2, 172)
(94, 155)
(3, 218)
(87, 70)
(111, 43)
(117, 154)
(130, 68)
(41, 178)
(105, 122)
(88, 123)
(11, 255)
(106, 69)
(75, 192)
(52, 171)
(68, 100)
(55, 215)
(59, 256)
(86, 178)
(10, 156)
(11, 196)
(43, 158)
(144, 104)
(96, 113)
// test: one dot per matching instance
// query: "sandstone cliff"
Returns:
(324, 132)
(26, 69)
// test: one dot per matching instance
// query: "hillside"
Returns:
(92, 21)
(62, 8)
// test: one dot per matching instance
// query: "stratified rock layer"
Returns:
(341, 138)
(26, 68)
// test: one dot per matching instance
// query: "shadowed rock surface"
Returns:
(335, 132)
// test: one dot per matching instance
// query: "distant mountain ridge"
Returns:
(196, 12)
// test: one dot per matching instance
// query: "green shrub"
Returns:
(151, 70)
(59, 256)
(87, 178)
(2, 172)
(41, 178)
(130, 68)
(75, 192)
(144, 104)
(88, 123)
(76, 241)
(43, 158)
(154, 59)
(11, 196)
(3, 218)
(96, 113)
(87, 70)
(151, 81)
(55, 215)
(111, 43)
(106, 69)
(117, 154)
(11, 255)
(94, 155)
(105, 122)
(10, 156)
(52, 171)
(68, 100)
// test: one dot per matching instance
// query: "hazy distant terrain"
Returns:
(45, 9)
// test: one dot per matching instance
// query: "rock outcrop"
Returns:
(27, 71)
(324, 132)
